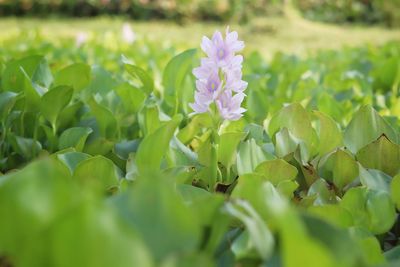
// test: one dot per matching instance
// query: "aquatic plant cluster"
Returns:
(148, 159)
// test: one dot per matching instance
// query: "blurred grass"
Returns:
(289, 34)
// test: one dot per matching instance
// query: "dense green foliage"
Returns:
(104, 166)
(343, 11)
(239, 10)
(350, 11)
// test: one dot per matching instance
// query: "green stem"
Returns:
(214, 171)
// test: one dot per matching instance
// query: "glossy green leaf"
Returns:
(131, 97)
(149, 119)
(96, 173)
(74, 137)
(329, 133)
(339, 167)
(249, 156)
(194, 126)
(7, 101)
(154, 146)
(77, 76)
(13, 78)
(297, 120)
(259, 233)
(374, 179)
(106, 121)
(276, 171)
(373, 210)
(69, 115)
(72, 159)
(143, 76)
(365, 127)
(32, 93)
(228, 146)
(381, 154)
(286, 143)
(381, 211)
(26, 147)
(321, 191)
(54, 101)
(174, 76)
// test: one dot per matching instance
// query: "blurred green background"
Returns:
(267, 26)
(384, 12)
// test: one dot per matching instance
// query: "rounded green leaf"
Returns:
(249, 156)
(13, 79)
(338, 167)
(105, 119)
(373, 210)
(381, 211)
(329, 133)
(26, 147)
(74, 137)
(96, 173)
(77, 76)
(143, 76)
(132, 98)
(297, 120)
(72, 159)
(381, 154)
(354, 201)
(276, 171)
(374, 179)
(198, 122)
(365, 127)
(54, 101)
(286, 143)
(260, 235)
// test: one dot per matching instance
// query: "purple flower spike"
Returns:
(219, 76)
(222, 51)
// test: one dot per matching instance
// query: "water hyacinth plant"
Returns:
(100, 164)
(219, 77)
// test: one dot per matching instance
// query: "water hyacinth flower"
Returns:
(81, 38)
(219, 77)
(128, 35)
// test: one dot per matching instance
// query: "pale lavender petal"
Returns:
(236, 61)
(237, 46)
(231, 37)
(217, 38)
